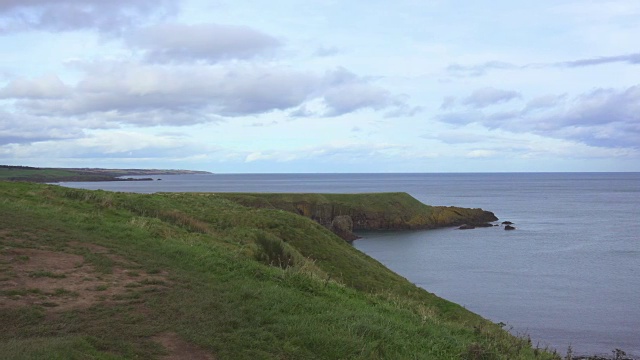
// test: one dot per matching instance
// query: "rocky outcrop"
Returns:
(466, 227)
(375, 211)
(342, 225)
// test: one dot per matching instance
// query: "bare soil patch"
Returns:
(59, 281)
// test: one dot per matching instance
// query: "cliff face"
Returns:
(344, 213)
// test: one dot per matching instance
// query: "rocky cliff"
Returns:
(345, 213)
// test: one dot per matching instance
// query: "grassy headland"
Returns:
(374, 211)
(103, 275)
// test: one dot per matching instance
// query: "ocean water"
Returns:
(568, 275)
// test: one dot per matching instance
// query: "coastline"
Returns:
(57, 175)
(507, 202)
(222, 266)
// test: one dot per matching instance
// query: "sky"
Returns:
(310, 86)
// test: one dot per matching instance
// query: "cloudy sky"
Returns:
(321, 85)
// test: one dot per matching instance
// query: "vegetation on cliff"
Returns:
(375, 211)
(102, 275)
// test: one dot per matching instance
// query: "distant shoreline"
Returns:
(56, 175)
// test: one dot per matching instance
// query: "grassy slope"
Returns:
(242, 284)
(10, 173)
(28, 173)
(373, 211)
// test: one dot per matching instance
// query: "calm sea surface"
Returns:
(569, 274)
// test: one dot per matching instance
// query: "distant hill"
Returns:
(49, 175)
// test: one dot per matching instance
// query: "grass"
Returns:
(17, 173)
(48, 274)
(374, 211)
(239, 283)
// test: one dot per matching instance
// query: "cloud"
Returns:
(489, 96)
(603, 117)
(152, 95)
(460, 117)
(544, 102)
(350, 152)
(448, 102)
(167, 43)
(346, 92)
(119, 93)
(327, 51)
(66, 15)
(633, 59)
(479, 69)
(113, 144)
(24, 128)
(602, 106)
(481, 153)
(476, 70)
(119, 143)
(302, 112)
(350, 97)
(45, 87)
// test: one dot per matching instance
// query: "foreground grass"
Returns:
(238, 283)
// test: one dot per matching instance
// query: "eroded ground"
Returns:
(78, 277)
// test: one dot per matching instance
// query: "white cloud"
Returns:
(150, 95)
(342, 152)
(481, 153)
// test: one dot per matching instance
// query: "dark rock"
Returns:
(507, 223)
(509, 227)
(342, 226)
(483, 225)
(475, 225)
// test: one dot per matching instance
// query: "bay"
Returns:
(568, 275)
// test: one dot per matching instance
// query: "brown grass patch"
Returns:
(60, 281)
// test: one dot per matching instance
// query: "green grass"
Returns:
(25, 173)
(240, 283)
(21, 173)
(374, 211)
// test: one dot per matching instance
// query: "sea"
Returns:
(569, 275)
